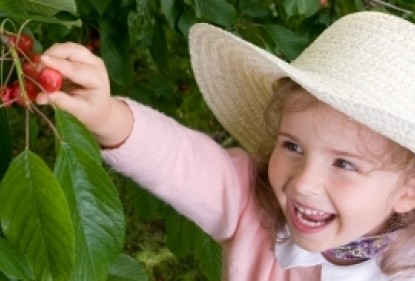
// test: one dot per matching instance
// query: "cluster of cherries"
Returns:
(35, 80)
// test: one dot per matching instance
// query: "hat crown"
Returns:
(370, 57)
(372, 45)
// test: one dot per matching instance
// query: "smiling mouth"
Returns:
(309, 220)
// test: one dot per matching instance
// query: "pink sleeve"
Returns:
(187, 169)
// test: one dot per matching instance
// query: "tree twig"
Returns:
(389, 5)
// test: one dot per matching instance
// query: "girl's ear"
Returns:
(406, 200)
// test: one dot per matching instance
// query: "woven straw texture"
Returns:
(363, 65)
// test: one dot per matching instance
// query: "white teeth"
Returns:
(309, 223)
(310, 212)
(312, 217)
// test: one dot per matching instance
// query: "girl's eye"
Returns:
(344, 164)
(291, 146)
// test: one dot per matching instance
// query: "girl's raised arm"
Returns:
(86, 93)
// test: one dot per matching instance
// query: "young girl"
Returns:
(325, 188)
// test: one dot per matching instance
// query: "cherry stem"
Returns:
(20, 74)
(1, 67)
(23, 93)
(47, 120)
(4, 58)
(3, 23)
(10, 102)
(389, 5)
(27, 128)
(34, 81)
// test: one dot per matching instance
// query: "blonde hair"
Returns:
(396, 259)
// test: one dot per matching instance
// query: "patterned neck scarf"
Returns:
(363, 248)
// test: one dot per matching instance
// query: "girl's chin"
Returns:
(310, 245)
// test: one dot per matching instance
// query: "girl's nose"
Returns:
(307, 179)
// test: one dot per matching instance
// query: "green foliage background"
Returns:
(144, 45)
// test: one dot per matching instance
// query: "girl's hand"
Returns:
(86, 93)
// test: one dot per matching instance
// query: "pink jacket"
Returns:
(209, 185)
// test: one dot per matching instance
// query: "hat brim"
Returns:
(236, 80)
(362, 65)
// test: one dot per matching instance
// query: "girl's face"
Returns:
(330, 178)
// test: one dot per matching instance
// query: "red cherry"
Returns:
(90, 47)
(95, 43)
(35, 58)
(50, 79)
(23, 43)
(324, 3)
(30, 70)
(31, 91)
(6, 96)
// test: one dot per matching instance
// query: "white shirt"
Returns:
(290, 255)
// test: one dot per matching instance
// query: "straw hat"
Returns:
(363, 65)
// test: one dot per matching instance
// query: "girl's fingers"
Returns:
(86, 75)
(86, 90)
(72, 52)
(60, 100)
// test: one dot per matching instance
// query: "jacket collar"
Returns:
(289, 255)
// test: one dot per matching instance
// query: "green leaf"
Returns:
(184, 237)
(35, 217)
(288, 42)
(216, 11)
(209, 254)
(39, 11)
(170, 11)
(113, 50)
(305, 8)
(186, 20)
(11, 8)
(253, 8)
(4, 278)
(158, 48)
(182, 234)
(50, 7)
(125, 268)
(49, 19)
(5, 143)
(100, 5)
(360, 5)
(73, 132)
(13, 263)
(94, 204)
(147, 206)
